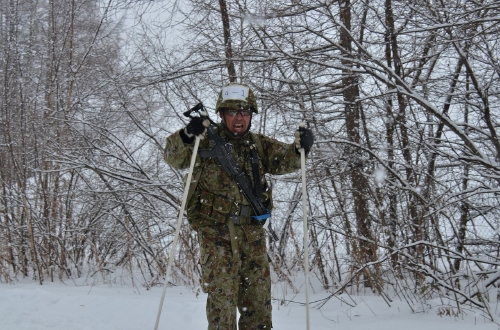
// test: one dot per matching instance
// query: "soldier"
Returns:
(233, 254)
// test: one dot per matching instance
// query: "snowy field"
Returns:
(57, 306)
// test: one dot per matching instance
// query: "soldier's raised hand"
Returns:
(196, 127)
(304, 138)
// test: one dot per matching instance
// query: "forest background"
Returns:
(403, 98)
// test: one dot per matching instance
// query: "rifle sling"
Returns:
(223, 152)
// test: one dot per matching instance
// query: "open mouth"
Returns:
(238, 129)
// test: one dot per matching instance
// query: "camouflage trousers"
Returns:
(240, 280)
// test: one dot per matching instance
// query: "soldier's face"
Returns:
(237, 120)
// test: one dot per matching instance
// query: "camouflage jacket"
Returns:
(216, 194)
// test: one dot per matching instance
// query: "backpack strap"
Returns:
(256, 152)
(260, 152)
(258, 144)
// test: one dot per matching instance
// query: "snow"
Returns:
(57, 306)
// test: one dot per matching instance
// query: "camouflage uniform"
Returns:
(233, 256)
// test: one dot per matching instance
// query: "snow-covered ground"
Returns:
(57, 306)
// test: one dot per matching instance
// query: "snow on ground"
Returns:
(58, 306)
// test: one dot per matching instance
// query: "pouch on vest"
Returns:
(214, 207)
(206, 203)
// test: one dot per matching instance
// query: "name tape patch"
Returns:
(235, 93)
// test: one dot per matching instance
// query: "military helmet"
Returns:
(236, 95)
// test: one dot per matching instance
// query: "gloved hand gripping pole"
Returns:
(181, 212)
(306, 231)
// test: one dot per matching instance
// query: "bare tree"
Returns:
(401, 97)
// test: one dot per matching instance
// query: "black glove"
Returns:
(196, 127)
(303, 139)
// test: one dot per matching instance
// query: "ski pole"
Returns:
(306, 232)
(178, 227)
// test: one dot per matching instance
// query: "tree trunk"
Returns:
(227, 41)
(367, 250)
